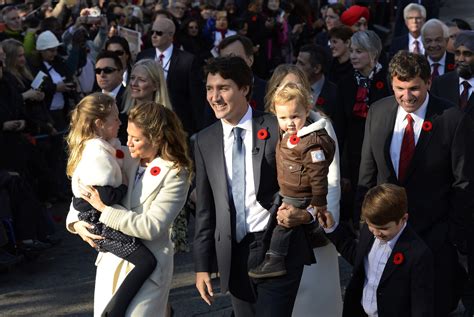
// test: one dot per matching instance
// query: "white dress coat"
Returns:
(148, 212)
(319, 293)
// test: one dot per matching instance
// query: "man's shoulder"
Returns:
(416, 243)
(148, 53)
(446, 77)
(382, 104)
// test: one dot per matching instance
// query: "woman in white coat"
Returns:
(158, 169)
(319, 293)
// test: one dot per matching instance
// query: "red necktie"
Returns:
(416, 49)
(464, 98)
(162, 56)
(435, 72)
(407, 149)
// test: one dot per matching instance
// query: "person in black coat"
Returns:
(393, 268)
(340, 42)
(422, 143)
(414, 16)
(367, 84)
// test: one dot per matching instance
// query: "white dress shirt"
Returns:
(441, 62)
(399, 129)
(374, 265)
(166, 59)
(411, 44)
(461, 86)
(256, 216)
(112, 93)
(58, 99)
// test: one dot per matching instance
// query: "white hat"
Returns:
(46, 40)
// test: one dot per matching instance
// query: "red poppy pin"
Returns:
(427, 126)
(398, 258)
(155, 170)
(320, 101)
(379, 85)
(253, 104)
(451, 66)
(119, 154)
(262, 134)
(294, 139)
(254, 18)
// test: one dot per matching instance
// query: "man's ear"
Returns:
(245, 90)
(318, 69)
(250, 60)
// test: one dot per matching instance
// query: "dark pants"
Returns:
(145, 263)
(265, 297)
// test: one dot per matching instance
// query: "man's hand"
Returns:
(326, 220)
(289, 216)
(204, 286)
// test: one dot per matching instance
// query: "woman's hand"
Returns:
(82, 229)
(91, 195)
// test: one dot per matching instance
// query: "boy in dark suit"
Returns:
(393, 268)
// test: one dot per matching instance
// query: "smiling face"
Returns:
(141, 85)
(434, 42)
(291, 116)
(226, 99)
(193, 28)
(339, 47)
(361, 59)
(388, 231)
(139, 145)
(332, 19)
(411, 94)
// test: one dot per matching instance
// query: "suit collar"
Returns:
(258, 148)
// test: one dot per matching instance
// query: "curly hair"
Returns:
(165, 131)
(406, 66)
(290, 91)
(90, 108)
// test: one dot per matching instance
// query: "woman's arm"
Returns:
(158, 218)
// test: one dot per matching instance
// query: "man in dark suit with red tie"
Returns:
(421, 142)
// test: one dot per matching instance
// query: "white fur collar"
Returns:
(315, 126)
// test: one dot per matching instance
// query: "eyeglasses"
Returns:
(106, 70)
(118, 52)
(415, 18)
(159, 33)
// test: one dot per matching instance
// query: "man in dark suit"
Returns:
(392, 271)
(313, 61)
(422, 143)
(432, 11)
(237, 196)
(414, 16)
(182, 73)
(109, 76)
(435, 36)
(457, 86)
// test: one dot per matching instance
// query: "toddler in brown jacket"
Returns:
(303, 156)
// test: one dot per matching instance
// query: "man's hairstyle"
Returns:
(384, 203)
(245, 41)
(433, 23)
(7, 10)
(342, 32)
(414, 7)
(461, 24)
(406, 66)
(111, 55)
(317, 55)
(233, 68)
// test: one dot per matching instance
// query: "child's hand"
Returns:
(326, 219)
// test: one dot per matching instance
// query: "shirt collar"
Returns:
(114, 92)
(166, 53)
(470, 81)
(317, 87)
(419, 114)
(411, 39)
(441, 62)
(245, 123)
(391, 243)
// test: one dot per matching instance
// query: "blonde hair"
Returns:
(162, 127)
(275, 81)
(156, 75)
(290, 91)
(90, 108)
(10, 47)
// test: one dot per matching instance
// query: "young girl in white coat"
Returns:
(95, 159)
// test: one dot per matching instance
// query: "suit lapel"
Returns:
(151, 179)
(388, 125)
(258, 123)
(173, 60)
(400, 248)
(215, 158)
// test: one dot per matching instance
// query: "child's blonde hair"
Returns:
(289, 91)
(90, 108)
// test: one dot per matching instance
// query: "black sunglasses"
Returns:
(159, 33)
(118, 52)
(106, 70)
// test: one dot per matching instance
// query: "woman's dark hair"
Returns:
(342, 32)
(337, 8)
(116, 39)
(187, 21)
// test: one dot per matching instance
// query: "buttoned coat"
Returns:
(148, 211)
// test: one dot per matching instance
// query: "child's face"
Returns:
(291, 116)
(388, 231)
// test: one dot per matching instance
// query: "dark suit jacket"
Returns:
(258, 93)
(447, 87)
(399, 43)
(405, 289)
(185, 87)
(327, 102)
(449, 63)
(215, 227)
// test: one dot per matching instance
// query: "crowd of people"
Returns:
(291, 130)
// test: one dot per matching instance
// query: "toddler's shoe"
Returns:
(272, 266)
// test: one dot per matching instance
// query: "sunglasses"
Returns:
(106, 70)
(118, 52)
(159, 33)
